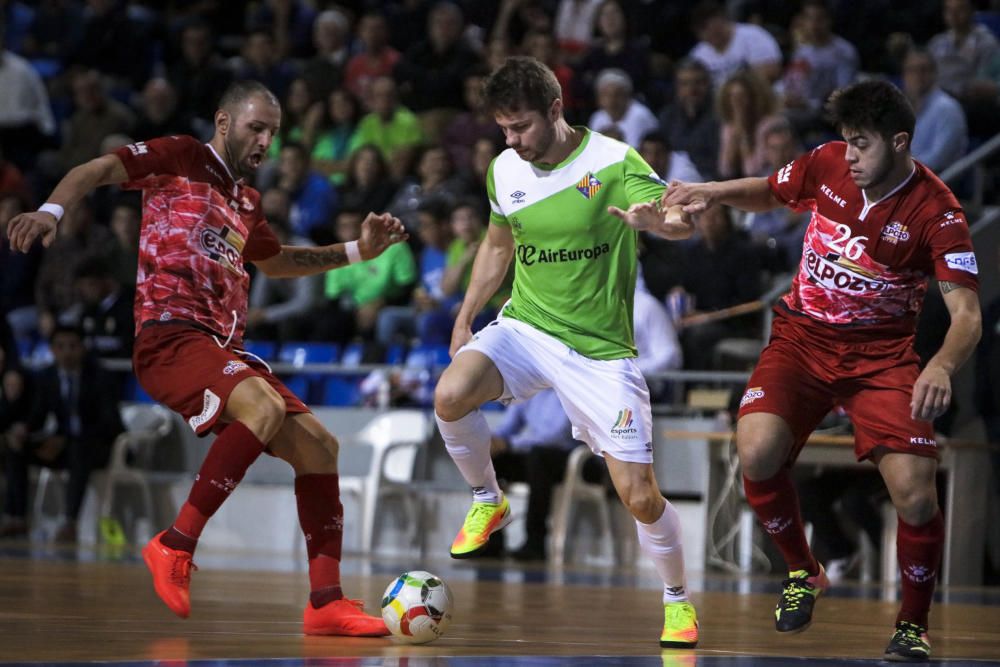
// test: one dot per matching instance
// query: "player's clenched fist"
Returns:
(378, 232)
(23, 229)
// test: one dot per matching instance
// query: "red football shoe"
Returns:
(345, 618)
(171, 571)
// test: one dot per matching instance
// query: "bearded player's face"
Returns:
(529, 133)
(251, 131)
(870, 157)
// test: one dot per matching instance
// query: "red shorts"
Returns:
(185, 369)
(805, 371)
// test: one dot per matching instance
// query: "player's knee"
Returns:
(916, 506)
(451, 400)
(644, 504)
(759, 458)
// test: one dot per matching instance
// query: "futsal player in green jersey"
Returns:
(565, 206)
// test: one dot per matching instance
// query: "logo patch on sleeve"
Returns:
(962, 261)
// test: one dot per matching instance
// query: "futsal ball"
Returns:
(416, 607)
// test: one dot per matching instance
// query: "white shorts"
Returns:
(606, 401)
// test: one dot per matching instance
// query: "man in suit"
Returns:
(86, 421)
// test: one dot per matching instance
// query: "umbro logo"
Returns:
(517, 197)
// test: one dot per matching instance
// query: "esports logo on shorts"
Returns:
(623, 427)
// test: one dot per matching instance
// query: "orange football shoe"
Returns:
(344, 618)
(171, 571)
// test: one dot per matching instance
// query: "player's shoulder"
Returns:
(930, 198)
(603, 145)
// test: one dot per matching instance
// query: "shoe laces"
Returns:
(360, 604)
(909, 635)
(479, 516)
(679, 614)
(793, 592)
(180, 571)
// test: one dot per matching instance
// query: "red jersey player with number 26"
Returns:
(201, 222)
(881, 224)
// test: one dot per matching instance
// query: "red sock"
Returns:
(322, 519)
(918, 549)
(776, 505)
(232, 453)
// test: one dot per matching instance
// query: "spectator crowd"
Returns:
(382, 112)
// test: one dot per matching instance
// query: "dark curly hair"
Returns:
(878, 106)
(521, 84)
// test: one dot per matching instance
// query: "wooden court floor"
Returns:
(71, 610)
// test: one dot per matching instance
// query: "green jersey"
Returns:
(575, 263)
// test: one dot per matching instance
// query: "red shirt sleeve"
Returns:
(951, 250)
(156, 157)
(262, 243)
(795, 183)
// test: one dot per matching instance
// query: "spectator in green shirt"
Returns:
(468, 224)
(390, 126)
(357, 292)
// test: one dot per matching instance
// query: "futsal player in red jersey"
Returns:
(201, 223)
(881, 224)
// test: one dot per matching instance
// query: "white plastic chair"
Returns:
(132, 455)
(573, 491)
(395, 438)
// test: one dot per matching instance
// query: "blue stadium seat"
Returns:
(24, 348)
(989, 19)
(309, 353)
(341, 390)
(353, 354)
(298, 385)
(265, 349)
(395, 354)
(428, 355)
(133, 391)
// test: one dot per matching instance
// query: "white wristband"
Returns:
(353, 252)
(54, 209)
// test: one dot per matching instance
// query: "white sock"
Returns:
(468, 443)
(661, 541)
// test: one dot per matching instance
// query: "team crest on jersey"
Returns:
(589, 186)
(895, 232)
(233, 367)
(224, 246)
(751, 395)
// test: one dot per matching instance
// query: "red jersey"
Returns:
(865, 264)
(198, 226)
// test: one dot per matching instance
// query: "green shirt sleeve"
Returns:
(641, 182)
(496, 216)
(404, 268)
(335, 283)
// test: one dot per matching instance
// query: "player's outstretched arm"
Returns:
(378, 232)
(23, 229)
(488, 272)
(747, 194)
(932, 390)
(672, 223)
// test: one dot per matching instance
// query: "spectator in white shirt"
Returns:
(26, 118)
(726, 47)
(941, 135)
(822, 61)
(668, 165)
(618, 109)
(655, 338)
(963, 50)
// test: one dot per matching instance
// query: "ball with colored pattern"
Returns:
(417, 607)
